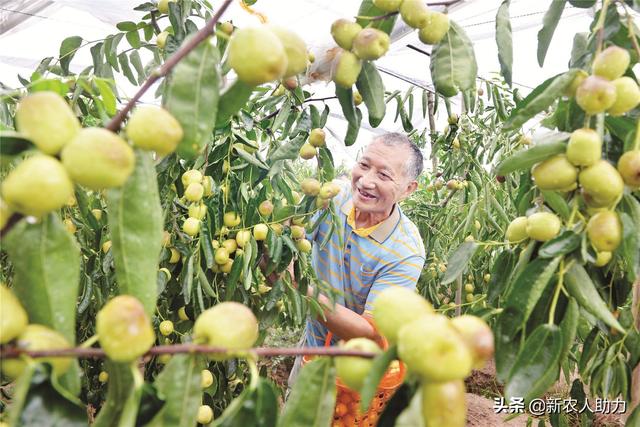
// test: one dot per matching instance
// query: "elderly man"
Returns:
(380, 246)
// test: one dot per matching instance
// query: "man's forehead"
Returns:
(393, 156)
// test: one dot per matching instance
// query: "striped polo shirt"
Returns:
(366, 263)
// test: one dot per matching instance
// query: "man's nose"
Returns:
(367, 180)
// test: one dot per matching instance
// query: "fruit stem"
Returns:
(600, 25)
(184, 50)
(554, 303)
(636, 144)
(91, 341)
(630, 26)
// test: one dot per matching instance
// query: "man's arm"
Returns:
(342, 322)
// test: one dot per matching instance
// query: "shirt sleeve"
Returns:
(404, 273)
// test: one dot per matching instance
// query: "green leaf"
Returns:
(68, 50)
(192, 97)
(254, 407)
(179, 386)
(313, 396)
(557, 203)
(232, 100)
(134, 57)
(367, 8)
(453, 62)
(630, 250)
(353, 129)
(134, 39)
(563, 244)
(379, 368)
(288, 150)
(581, 287)
(345, 98)
(136, 223)
(539, 99)
(35, 402)
(46, 262)
(504, 41)
(458, 261)
(371, 88)
(524, 159)
(532, 373)
(549, 24)
(13, 143)
(500, 271)
(506, 342)
(107, 95)
(579, 49)
(120, 406)
(123, 59)
(282, 115)
(126, 26)
(569, 327)
(412, 415)
(529, 286)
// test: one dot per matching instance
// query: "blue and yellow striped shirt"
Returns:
(367, 262)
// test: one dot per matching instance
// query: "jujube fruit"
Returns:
(629, 168)
(260, 231)
(344, 31)
(611, 63)
(387, 5)
(317, 137)
(38, 337)
(602, 258)
(353, 370)
(436, 28)
(46, 119)
(414, 13)
(584, 147)
(433, 349)
(231, 219)
(205, 414)
(166, 327)
(478, 337)
(307, 151)
(554, 173)
(346, 68)
(602, 183)
(444, 404)
(627, 96)
(154, 128)
(595, 95)
(13, 319)
(198, 210)
(37, 186)
(370, 44)
(394, 308)
(543, 226)
(98, 159)
(303, 245)
(310, 186)
(124, 329)
(190, 176)
(294, 48)
(191, 226)
(257, 55)
(605, 231)
(230, 325)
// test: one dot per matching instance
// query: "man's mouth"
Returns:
(366, 195)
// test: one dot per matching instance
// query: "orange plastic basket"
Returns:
(347, 410)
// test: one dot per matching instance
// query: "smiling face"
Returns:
(379, 179)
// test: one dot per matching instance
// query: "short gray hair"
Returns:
(414, 163)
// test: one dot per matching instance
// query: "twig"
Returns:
(185, 49)
(98, 353)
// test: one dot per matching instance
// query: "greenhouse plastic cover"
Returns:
(33, 29)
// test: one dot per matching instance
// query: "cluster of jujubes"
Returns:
(439, 352)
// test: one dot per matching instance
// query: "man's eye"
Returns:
(385, 176)
(363, 165)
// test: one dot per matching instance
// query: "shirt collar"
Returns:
(383, 229)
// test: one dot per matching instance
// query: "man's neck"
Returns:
(366, 220)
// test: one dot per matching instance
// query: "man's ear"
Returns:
(410, 188)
